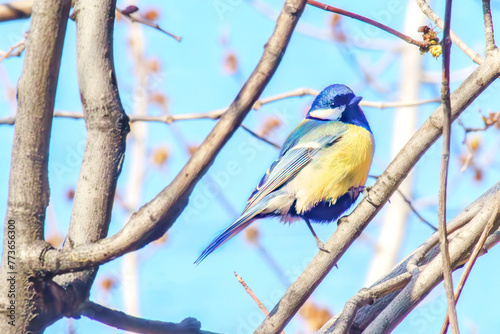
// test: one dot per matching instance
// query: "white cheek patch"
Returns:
(329, 114)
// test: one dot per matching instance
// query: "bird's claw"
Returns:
(319, 243)
(366, 194)
(365, 191)
(341, 220)
(321, 246)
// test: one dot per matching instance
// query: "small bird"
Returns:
(321, 169)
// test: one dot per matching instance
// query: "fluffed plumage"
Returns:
(321, 168)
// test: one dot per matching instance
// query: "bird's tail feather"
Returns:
(246, 219)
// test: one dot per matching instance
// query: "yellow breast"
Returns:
(337, 169)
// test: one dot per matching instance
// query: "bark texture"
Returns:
(107, 128)
(28, 184)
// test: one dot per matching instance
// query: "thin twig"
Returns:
(458, 42)
(129, 14)
(407, 39)
(412, 208)
(470, 263)
(410, 204)
(345, 44)
(443, 175)
(398, 104)
(492, 119)
(488, 28)
(216, 114)
(168, 119)
(323, 34)
(130, 323)
(343, 321)
(468, 157)
(20, 46)
(261, 306)
(264, 139)
(470, 152)
(294, 93)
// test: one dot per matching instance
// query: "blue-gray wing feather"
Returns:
(292, 159)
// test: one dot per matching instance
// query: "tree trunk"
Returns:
(24, 298)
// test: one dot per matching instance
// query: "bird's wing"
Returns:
(299, 149)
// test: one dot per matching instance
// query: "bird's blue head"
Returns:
(338, 103)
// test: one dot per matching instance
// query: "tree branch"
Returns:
(351, 227)
(21, 9)
(398, 104)
(342, 322)
(323, 34)
(470, 263)
(134, 18)
(410, 205)
(461, 243)
(304, 91)
(412, 208)
(407, 39)
(107, 128)
(20, 46)
(15, 10)
(157, 216)
(130, 323)
(443, 174)
(256, 135)
(28, 184)
(421, 256)
(216, 114)
(488, 28)
(261, 306)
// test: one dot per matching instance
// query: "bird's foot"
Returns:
(341, 220)
(321, 245)
(366, 194)
(357, 190)
(365, 190)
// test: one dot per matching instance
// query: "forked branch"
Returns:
(157, 216)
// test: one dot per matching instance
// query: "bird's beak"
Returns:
(355, 101)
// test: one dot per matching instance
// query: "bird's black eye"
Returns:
(333, 106)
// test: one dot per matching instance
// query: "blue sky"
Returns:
(192, 76)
